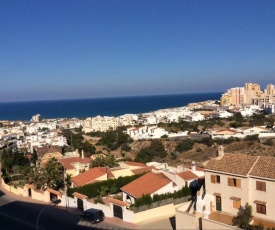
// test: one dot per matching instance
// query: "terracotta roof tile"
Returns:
(89, 176)
(232, 163)
(67, 162)
(54, 192)
(187, 175)
(79, 195)
(146, 184)
(142, 170)
(265, 167)
(118, 202)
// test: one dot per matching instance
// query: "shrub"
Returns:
(93, 190)
(198, 150)
(185, 145)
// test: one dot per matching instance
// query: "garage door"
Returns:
(118, 211)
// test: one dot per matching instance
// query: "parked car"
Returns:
(93, 215)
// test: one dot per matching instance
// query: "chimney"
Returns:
(220, 151)
(82, 154)
(193, 166)
(180, 168)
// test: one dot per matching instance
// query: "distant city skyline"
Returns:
(67, 49)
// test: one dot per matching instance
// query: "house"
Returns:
(254, 130)
(93, 175)
(225, 133)
(231, 181)
(150, 183)
(75, 165)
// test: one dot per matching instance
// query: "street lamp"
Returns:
(53, 202)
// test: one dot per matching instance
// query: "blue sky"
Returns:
(86, 48)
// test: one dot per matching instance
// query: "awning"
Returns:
(79, 195)
(259, 202)
(54, 192)
(217, 194)
(235, 198)
(118, 202)
(29, 186)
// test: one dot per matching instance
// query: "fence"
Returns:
(161, 203)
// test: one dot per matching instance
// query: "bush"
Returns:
(198, 150)
(251, 137)
(243, 217)
(93, 190)
(185, 145)
(98, 200)
(155, 150)
(125, 148)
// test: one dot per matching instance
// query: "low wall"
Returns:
(108, 210)
(6, 186)
(211, 224)
(186, 221)
(37, 195)
(167, 210)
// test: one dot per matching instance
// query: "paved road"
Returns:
(18, 212)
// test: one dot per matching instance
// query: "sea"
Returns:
(83, 108)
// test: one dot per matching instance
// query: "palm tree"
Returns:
(52, 175)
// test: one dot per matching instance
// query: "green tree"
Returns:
(243, 217)
(155, 151)
(52, 175)
(104, 161)
(185, 145)
(126, 148)
(87, 147)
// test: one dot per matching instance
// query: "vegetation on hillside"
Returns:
(76, 141)
(156, 151)
(104, 161)
(113, 139)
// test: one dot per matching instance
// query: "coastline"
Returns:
(82, 108)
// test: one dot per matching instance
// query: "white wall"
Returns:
(265, 196)
(227, 191)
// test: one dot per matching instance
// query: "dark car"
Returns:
(93, 215)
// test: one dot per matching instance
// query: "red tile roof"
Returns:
(187, 175)
(67, 162)
(142, 170)
(79, 195)
(146, 184)
(131, 163)
(90, 176)
(118, 202)
(264, 167)
(54, 192)
(232, 163)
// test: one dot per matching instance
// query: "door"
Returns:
(53, 197)
(118, 211)
(80, 203)
(218, 203)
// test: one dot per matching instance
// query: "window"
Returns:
(234, 182)
(215, 179)
(236, 204)
(261, 186)
(261, 208)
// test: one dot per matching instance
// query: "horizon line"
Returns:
(103, 97)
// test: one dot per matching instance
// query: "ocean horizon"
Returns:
(91, 107)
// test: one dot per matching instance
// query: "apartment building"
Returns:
(250, 94)
(36, 118)
(101, 124)
(233, 96)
